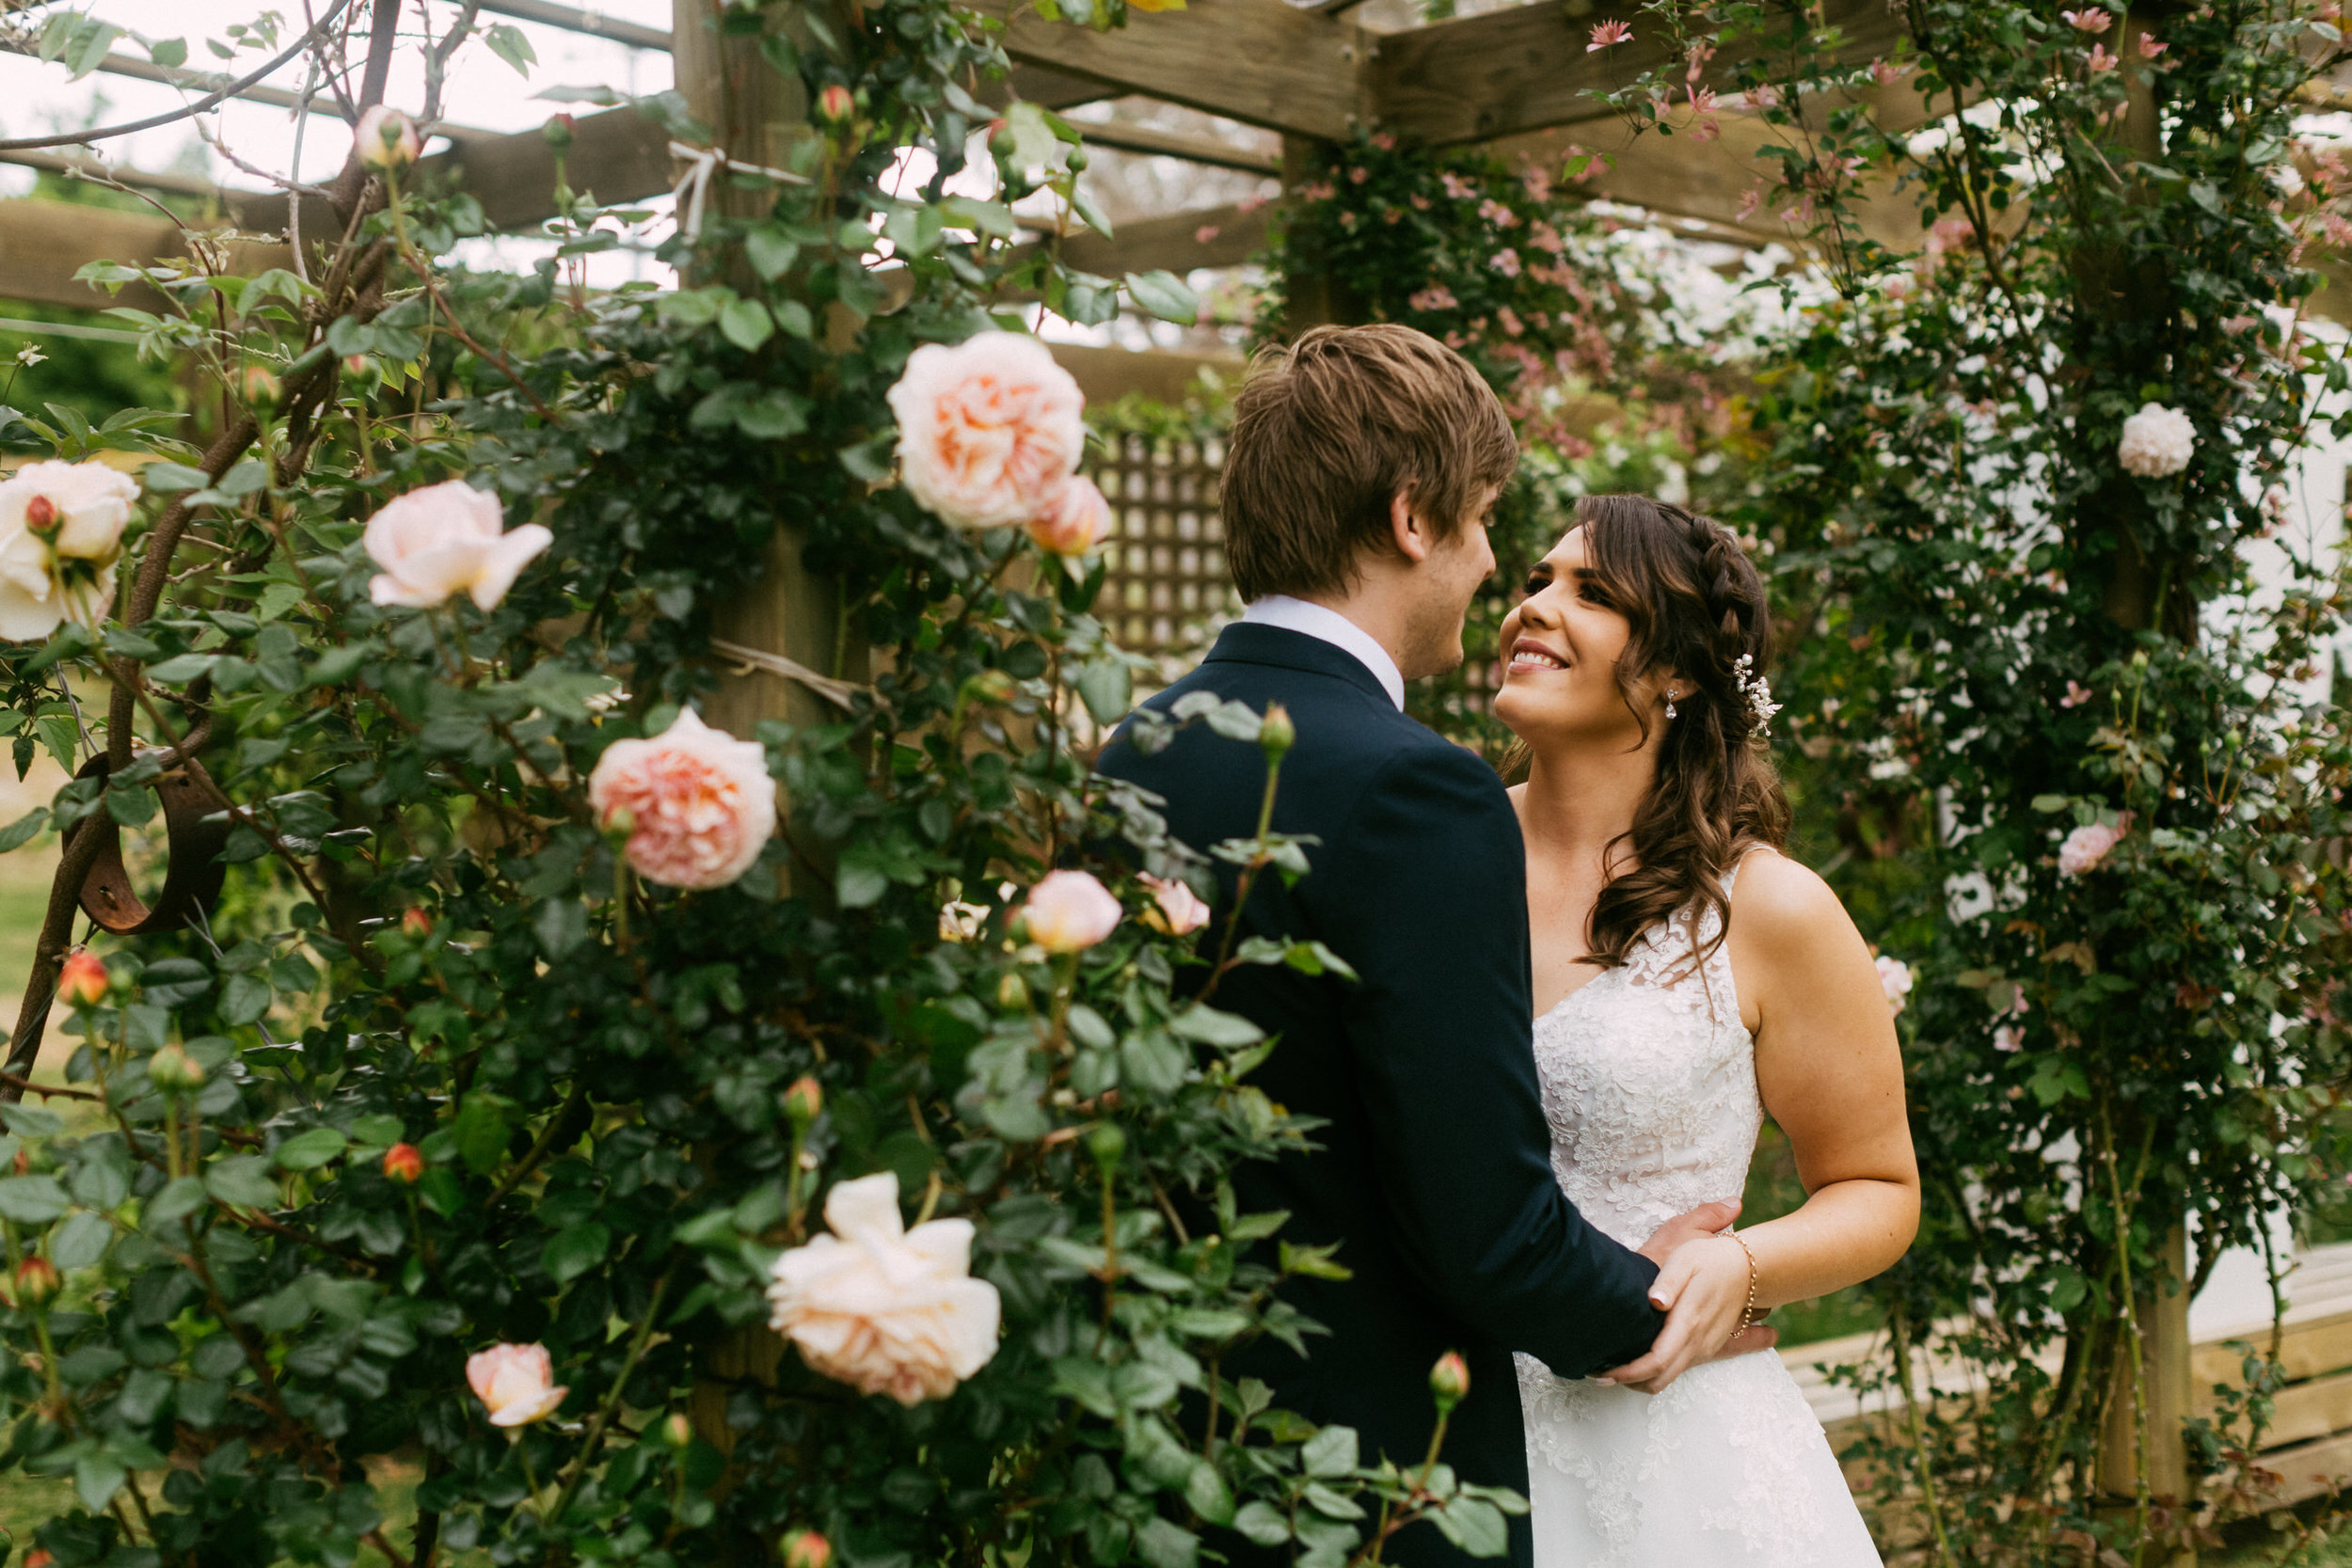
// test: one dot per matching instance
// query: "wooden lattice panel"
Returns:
(1168, 591)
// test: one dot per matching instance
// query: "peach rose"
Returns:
(516, 1382)
(1075, 520)
(1068, 911)
(60, 541)
(1175, 908)
(386, 138)
(446, 539)
(988, 430)
(882, 1308)
(701, 802)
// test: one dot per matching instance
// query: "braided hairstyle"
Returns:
(1695, 606)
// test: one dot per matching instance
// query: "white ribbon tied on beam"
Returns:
(695, 185)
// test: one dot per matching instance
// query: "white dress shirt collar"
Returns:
(1329, 626)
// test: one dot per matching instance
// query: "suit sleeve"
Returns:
(1426, 898)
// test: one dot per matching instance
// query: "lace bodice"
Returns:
(1650, 1083)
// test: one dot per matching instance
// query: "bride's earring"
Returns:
(1670, 704)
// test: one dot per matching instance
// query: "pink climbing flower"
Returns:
(1457, 187)
(2101, 59)
(2087, 846)
(1435, 297)
(1497, 213)
(2150, 46)
(1506, 262)
(2076, 694)
(2092, 21)
(1608, 34)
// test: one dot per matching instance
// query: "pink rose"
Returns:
(446, 539)
(516, 1382)
(1175, 908)
(988, 429)
(1076, 519)
(882, 1308)
(700, 803)
(1068, 911)
(2086, 846)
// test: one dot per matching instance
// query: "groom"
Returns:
(1361, 475)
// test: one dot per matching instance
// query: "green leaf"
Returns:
(1211, 1027)
(169, 53)
(21, 831)
(81, 1240)
(1329, 1452)
(1163, 1543)
(32, 1199)
(184, 668)
(509, 44)
(1103, 685)
(243, 998)
(243, 1180)
(768, 252)
(310, 1149)
(481, 1130)
(745, 322)
(1164, 294)
(1263, 1524)
(572, 1253)
(379, 1132)
(1474, 1525)
(179, 1198)
(98, 1478)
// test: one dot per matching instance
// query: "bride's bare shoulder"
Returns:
(1783, 902)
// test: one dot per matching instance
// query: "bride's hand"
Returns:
(1704, 1291)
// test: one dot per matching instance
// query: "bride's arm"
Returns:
(1831, 1074)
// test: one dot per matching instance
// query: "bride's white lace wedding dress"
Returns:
(1649, 1085)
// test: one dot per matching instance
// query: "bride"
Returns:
(1688, 979)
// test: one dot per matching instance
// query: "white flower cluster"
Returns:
(2157, 442)
(60, 540)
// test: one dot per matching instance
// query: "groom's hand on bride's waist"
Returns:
(1708, 1219)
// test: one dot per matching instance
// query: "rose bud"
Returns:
(260, 386)
(835, 104)
(1175, 909)
(1109, 1146)
(414, 921)
(1076, 519)
(1068, 911)
(41, 515)
(39, 1557)
(675, 1430)
(174, 1071)
(387, 139)
(22, 1165)
(808, 1549)
(990, 686)
(557, 134)
(36, 1282)
(1449, 1380)
(83, 982)
(802, 1101)
(1276, 733)
(359, 364)
(404, 1162)
(1012, 993)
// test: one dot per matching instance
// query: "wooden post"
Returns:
(2162, 1314)
(1314, 296)
(756, 113)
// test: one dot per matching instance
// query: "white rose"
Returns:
(2158, 441)
(60, 542)
(515, 1382)
(885, 1309)
(447, 539)
(989, 430)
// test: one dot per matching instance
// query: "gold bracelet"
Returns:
(1748, 1315)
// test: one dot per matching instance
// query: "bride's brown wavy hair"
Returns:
(1694, 605)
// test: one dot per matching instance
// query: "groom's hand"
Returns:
(1708, 1219)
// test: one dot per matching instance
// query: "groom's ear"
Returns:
(1411, 535)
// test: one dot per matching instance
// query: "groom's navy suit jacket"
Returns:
(1433, 1169)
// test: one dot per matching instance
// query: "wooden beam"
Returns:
(1262, 62)
(1526, 68)
(42, 243)
(1048, 89)
(573, 20)
(1170, 144)
(1107, 375)
(1209, 237)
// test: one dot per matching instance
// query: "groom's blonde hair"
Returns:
(1327, 429)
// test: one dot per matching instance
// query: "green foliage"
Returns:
(628, 1100)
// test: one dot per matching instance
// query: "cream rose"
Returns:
(61, 543)
(885, 1309)
(447, 539)
(1068, 911)
(1175, 908)
(1075, 520)
(701, 802)
(386, 138)
(516, 1382)
(988, 430)
(2157, 441)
